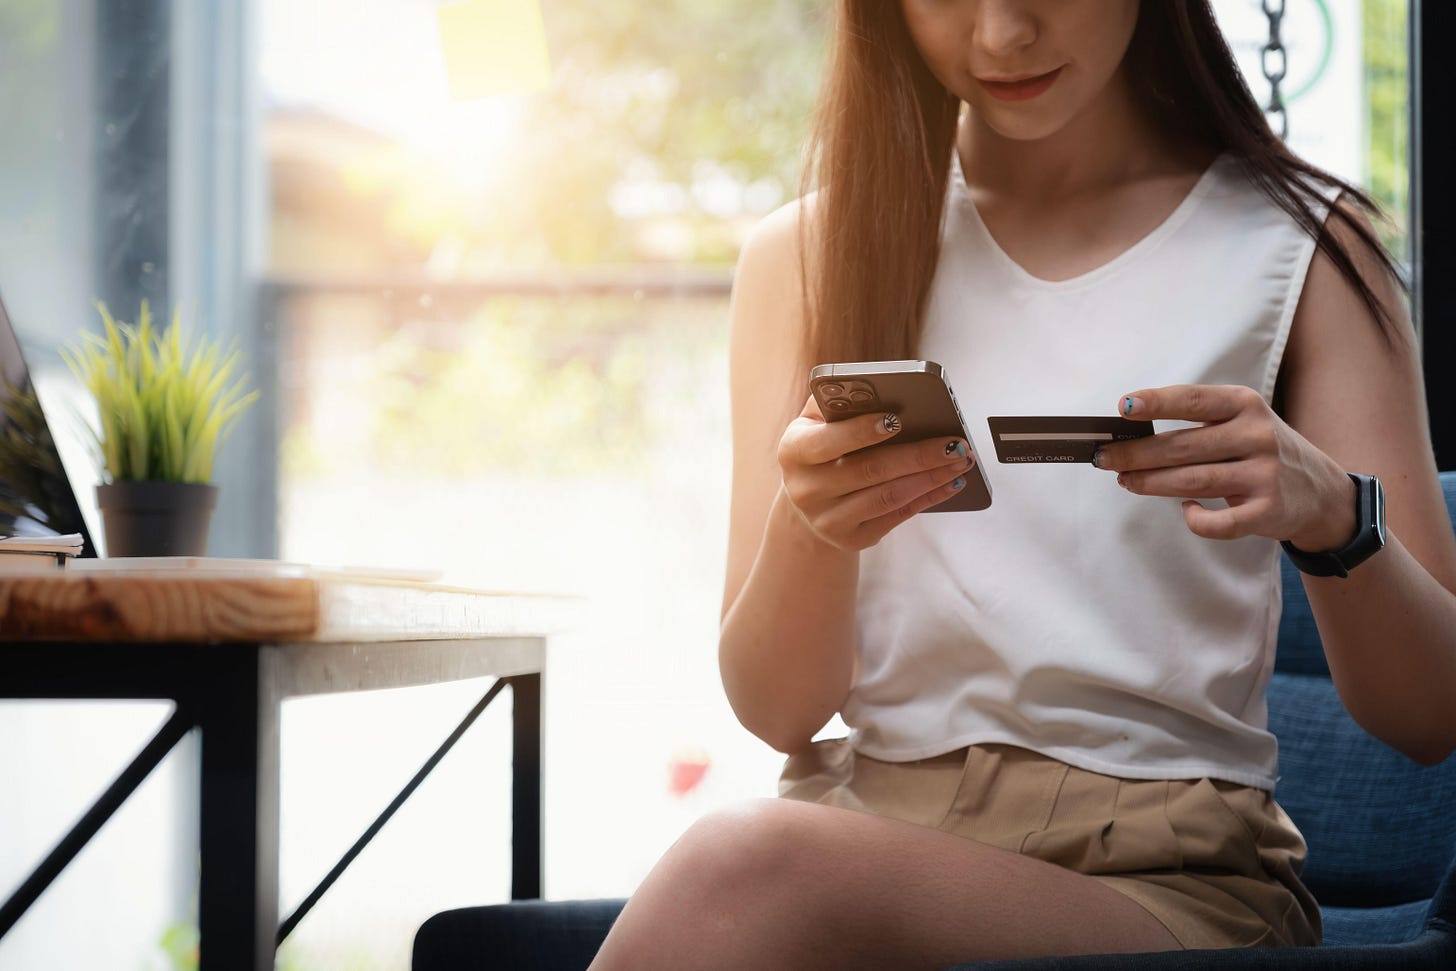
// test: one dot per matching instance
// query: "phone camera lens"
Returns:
(838, 404)
(861, 396)
(832, 390)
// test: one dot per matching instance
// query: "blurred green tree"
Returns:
(1387, 99)
(686, 115)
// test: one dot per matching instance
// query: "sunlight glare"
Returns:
(380, 64)
(494, 47)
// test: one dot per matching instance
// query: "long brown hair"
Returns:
(880, 152)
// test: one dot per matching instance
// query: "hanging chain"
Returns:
(1274, 61)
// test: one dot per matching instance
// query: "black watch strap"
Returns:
(1369, 536)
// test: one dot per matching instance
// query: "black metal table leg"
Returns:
(302, 910)
(238, 894)
(526, 842)
(232, 694)
(94, 818)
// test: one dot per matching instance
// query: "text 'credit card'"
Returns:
(1060, 438)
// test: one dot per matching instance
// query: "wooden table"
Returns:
(227, 645)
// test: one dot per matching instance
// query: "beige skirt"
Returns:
(1217, 863)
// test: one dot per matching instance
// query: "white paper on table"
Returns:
(69, 544)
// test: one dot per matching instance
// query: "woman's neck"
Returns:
(1106, 144)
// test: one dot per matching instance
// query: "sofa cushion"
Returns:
(1380, 827)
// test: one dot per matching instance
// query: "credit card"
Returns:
(1060, 438)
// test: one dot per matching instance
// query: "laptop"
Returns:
(36, 498)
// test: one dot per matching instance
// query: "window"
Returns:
(491, 337)
(501, 336)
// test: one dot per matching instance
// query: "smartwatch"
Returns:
(1369, 535)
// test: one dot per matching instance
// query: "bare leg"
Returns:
(783, 884)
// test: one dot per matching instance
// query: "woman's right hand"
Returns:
(852, 501)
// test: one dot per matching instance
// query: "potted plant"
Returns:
(165, 405)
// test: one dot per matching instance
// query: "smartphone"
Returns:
(916, 391)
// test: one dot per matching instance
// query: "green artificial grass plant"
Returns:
(165, 404)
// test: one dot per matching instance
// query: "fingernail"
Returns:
(959, 483)
(1097, 457)
(891, 424)
(956, 448)
(1130, 404)
(1122, 480)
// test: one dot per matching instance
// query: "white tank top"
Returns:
(1072, 617)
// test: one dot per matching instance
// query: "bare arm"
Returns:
(808, 495)
(1349, 402)
(786, 647)
(1389, 630)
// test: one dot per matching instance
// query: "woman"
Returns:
(1058, 740)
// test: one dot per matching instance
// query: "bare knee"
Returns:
(727, 883)
(744, 850)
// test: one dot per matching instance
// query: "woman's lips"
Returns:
(1020, 90)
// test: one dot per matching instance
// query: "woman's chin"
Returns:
(1020, 126)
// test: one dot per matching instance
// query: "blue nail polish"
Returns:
(1127, 405)
(959, 483)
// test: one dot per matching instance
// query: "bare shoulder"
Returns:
(1332, 322)
(780, 227)
(1345, 216)
(769, 298)
(771, 263)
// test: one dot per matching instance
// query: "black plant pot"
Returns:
(156, 518)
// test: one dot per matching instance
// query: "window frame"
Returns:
(1432, 207)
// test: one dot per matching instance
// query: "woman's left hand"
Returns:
(1276, 483)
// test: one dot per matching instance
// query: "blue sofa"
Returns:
(1381, 833)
